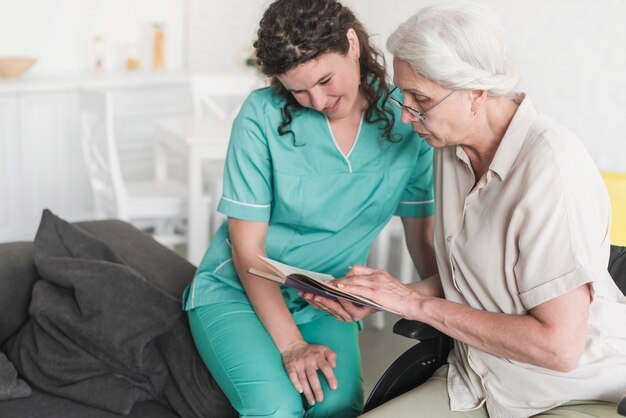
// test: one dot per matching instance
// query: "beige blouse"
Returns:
(535, 226)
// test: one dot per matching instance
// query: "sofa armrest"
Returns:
(416, 330)
(161, 266)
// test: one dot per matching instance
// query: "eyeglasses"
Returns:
(414, 112)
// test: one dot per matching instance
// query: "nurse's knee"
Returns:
(345, 402)
(276, 405)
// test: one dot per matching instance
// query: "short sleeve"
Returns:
(417, 200)
(562, 221)
(247, 187)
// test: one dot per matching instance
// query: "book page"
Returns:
(288, 270)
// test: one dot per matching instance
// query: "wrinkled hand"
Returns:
(380, 287)
(302, 361)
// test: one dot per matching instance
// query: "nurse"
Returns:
(317, 165)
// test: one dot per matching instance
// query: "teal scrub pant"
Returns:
(243, 359)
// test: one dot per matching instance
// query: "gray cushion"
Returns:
(17, 275)
(159, 265)
(163, 268)
(91, 287)
(10, 386)
(43, 405)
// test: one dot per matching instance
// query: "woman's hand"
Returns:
(382, 288)
(302, 361)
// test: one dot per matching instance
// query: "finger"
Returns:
(328, 372)
(331, 358)
(314, 382)
(363, 280)
(319, 306)
(310, 298)
(358, 270)
(307, 392)
(295, 381)
(334, 308)
(359, 289)
(356, 312)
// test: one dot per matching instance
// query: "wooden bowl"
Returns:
(14, 67)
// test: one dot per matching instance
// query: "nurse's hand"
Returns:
(343, 310)
(302, 361)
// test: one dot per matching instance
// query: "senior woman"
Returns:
(521, 238)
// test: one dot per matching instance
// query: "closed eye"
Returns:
(418, 98)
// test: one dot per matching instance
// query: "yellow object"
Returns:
(158, 62)
(616, 185)
(132, 63)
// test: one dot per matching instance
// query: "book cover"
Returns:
(309, 281)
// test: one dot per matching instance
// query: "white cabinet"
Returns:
(9, 167)
(52, 173)
(41, 162)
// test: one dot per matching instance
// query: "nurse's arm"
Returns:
(418, 233)
(248, 241)
(301, 360)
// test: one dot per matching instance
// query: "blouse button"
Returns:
(449, 238)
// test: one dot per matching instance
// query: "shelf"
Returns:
(108, 80)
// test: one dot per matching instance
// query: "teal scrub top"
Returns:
(324, 208)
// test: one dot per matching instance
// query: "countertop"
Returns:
(108, 80)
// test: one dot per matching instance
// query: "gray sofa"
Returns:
(141, 255)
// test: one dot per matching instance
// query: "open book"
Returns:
(309, 281)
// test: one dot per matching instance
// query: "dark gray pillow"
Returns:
(11, 387)
(102, 334)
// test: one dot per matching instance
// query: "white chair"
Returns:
(221, 95)
(203, 137)
(156, 206)
(220, 98)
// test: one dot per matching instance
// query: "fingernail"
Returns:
(311, 402)
(340, 286)
(333, 386)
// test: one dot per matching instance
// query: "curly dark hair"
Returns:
(292, 32)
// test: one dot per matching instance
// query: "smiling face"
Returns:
(445, 124)
(328, 83)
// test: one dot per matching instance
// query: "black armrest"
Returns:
(416, 330)
(621, 408)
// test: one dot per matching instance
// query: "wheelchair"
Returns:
(419, 362)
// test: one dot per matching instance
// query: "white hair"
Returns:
(457, 45)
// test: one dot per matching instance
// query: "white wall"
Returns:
(570, 54)
(60, 33)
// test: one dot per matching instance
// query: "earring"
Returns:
(475, 114)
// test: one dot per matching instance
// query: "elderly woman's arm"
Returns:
(551, 335)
